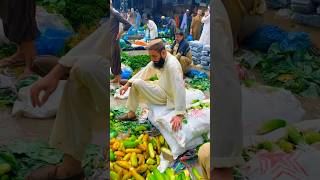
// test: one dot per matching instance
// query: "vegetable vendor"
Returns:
(181, 50)
(229, 17)
(170, 24)
(116, 19)
(168, 90)
(152, 27)
(82, 109)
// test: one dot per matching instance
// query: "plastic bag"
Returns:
(189, 38)
(197, 123)
(47, 20)
(175, 147)
(52, 41)
(24, 107)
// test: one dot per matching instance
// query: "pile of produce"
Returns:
(135, 62)
(287, 143)
(136, 156)
(297, 71)
(7, 50)
(202, 84)
(78, 12)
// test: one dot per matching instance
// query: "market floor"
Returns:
(22, 128)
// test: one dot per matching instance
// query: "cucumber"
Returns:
(271, 125)
(112, 156)
(129, 144)
(157, 174)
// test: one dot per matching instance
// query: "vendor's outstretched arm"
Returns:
(48, 84)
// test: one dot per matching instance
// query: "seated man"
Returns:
(181, 50)
(168, 90)
(82, 110)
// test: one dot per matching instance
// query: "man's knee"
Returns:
(137, 83)
(204, 152)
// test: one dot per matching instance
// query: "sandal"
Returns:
(125, 117)
(50, 173)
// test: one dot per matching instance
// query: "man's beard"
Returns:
(159, 64)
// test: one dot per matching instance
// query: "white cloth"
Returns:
(153, 29)
(205, 35)
(169, 89)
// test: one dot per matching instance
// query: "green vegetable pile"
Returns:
(124, 126)
(20, 157)
(7, 97)
(297, 71)
(202, 84)
(7, 50)
(135, 62)
(78, 12)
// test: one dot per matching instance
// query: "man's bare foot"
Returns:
(27, 72)
(69, 167)
(223, 174)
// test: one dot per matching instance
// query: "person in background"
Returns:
(205, 35)
(152, 27)
(116, 19)
(138, 19)
(20, 27)
(195, 28)
(232, 20)
(172, 26)
(169, 90)
(181, 50)
(184, 21)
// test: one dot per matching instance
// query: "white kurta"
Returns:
(82, 110)
(153, 29)
(205, 35)
(168, 90)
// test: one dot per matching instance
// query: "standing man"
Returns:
(181, 50)
(115, 20)
(138, 19)
(184, 22)
(195, 29)
(20, 27)
(152, 27)
(230, 18)
(205, 34)
(169, 90)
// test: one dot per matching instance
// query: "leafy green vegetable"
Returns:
(295, 71)
(78, 12)
(135, 62)
(202, 84)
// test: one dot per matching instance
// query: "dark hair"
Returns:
(181, 33)
(158, 46)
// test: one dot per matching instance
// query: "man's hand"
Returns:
(176, 123)
(191, 32)
(48, 85)
(124, 89)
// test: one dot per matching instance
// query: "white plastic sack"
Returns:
(302, 164)
(198, 123)
(124, 96)
(175, 147)
(3, 38)
(262, 103)
(23, 105)
(47, 20)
